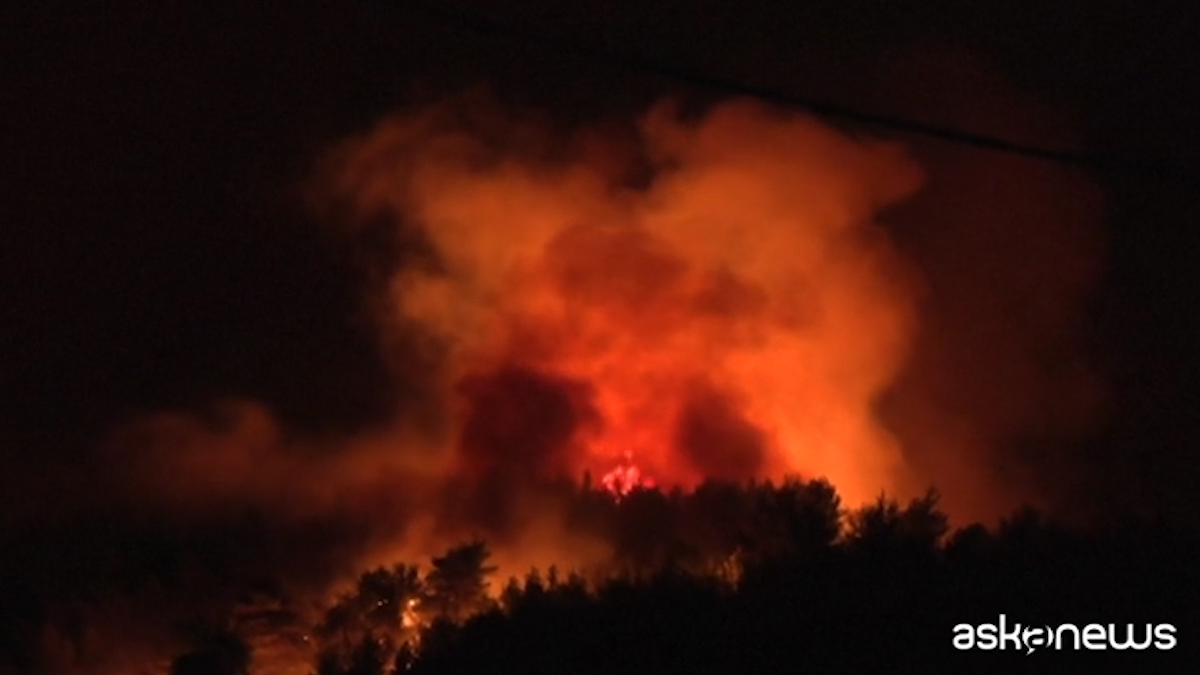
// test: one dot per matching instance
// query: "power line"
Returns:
(489, 26)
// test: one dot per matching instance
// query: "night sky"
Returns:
(158, 255)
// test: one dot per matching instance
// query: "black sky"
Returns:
(156, 255)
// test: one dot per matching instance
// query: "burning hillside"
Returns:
(690, 299)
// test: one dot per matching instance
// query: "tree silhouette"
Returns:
(823, 591)
(883, 528)
(371, 656)
(797, 519)
(384, 595)
(369, 619)
(648, 530)
(714, 520)
(218, 652)
(457, 585)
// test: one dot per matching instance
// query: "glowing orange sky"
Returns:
(735, 318)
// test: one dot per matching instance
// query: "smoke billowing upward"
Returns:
(705, 297)
(720, 304)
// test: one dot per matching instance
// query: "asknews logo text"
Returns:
(1029, 638)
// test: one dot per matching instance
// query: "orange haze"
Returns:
(719, 301)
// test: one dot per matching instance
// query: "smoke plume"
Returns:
(705, 296)
(718, 304)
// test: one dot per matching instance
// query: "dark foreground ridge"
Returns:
(757, 578)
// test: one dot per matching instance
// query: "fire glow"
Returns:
(733, 316)
(625, 478)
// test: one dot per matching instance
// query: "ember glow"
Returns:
(625, 478)
(715, 299)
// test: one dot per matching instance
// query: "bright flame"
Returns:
(625, 478)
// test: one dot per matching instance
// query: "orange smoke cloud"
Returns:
(715, 299)
(735, 314)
